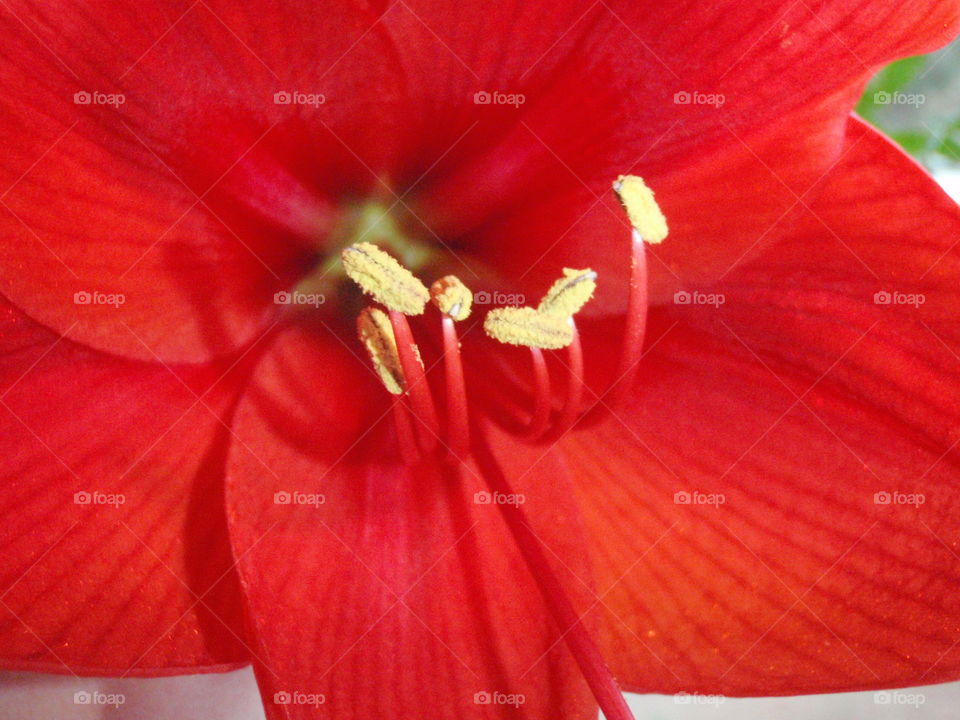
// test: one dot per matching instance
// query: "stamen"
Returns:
(588, 656)
(570, 293)
(376, 334)
(405, 439)
(641, 207)
(526, 326)
(416, 382)
(457, 417)
(565, 298)
(541, 403)
(649, 226)
(574, 382)
(636, 320)
(381, 276)
(454, 300)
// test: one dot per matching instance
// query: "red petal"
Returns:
(798, 400)
(88, 584)
(199, 175)
(397, 596)
(534, 194)
(198, 197)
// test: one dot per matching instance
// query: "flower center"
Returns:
(386, 335)
(371, 222)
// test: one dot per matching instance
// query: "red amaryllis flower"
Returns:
(201, 475)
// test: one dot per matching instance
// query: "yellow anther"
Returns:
(570, 293)
(381, 276)
(529, 327)
(642, 209)
(452, 297)
(376, 334)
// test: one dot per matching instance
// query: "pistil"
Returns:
(648, 226)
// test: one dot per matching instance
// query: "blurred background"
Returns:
(916, 101)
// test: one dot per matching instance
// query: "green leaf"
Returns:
(913, 141)
(892, 78)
